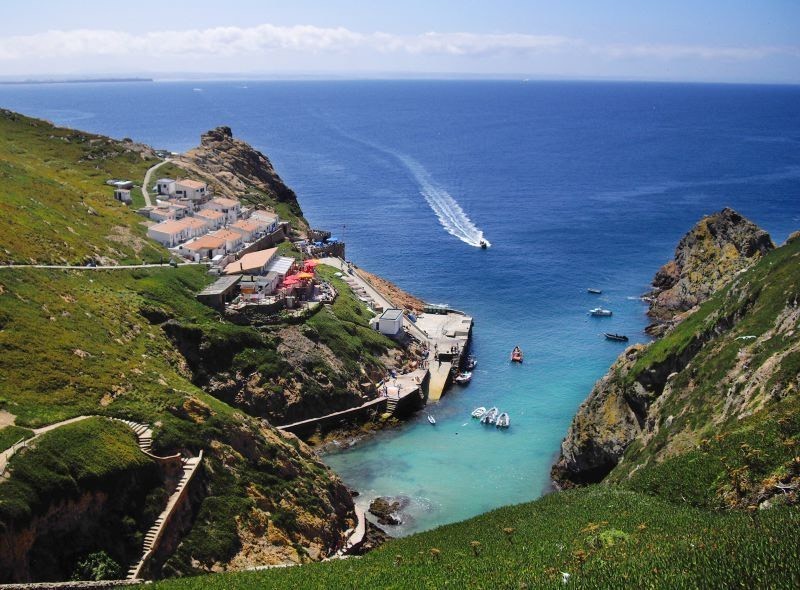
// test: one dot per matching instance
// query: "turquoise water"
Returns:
(576, 185)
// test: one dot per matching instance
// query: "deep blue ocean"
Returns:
(575, 184)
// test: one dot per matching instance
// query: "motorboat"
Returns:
(472, 362)
(484, 245)
(616, 337)
(431, 419)
(490, 416)
(478, 412)
(593, 291)
(503, 420)
(463, 378)
(516, 355)
(600, 312)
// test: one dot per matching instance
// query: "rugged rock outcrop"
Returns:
(233, 168)
(729, 358)
(707, 257)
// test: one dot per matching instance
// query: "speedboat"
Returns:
(600, 312)
(472, 362)
(503, 420)
(616, 337)
(478, 412)
(463, 378)
(490, 416)
(484, 245)
(431, 419)
(593, 291)
(516, 355)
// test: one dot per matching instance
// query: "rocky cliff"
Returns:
(233, 168)
(707, 257)
(733, 357)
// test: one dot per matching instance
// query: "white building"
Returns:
(254, 263)
(123, 195)
(391, 322)
(165, 186)
(229, 207)
(166, 211)
(271, 220)
(169, 233)
(191, 189)
(249, 229)
(214, 219)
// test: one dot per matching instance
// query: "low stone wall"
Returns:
(268, 241)
(352, 416)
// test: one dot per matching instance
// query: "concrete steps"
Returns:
(143, 433)
(153, 534)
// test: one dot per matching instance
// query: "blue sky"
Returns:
(712, 40)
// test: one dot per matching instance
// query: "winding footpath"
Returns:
(144, 438)
(146, 182)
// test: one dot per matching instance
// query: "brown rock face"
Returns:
(706, 258)
(234, 168)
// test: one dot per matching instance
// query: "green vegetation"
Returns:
(344, 327)
(62, 462)
(287, 211)
(98, 566)
(11, 435)
(601, 537)
(56, 207)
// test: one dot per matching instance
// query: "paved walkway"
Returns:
(109, 267)
(146, 183)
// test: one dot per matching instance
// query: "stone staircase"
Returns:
(143, 433)
(153, 536)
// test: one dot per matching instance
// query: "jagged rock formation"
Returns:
(731, 358)
(707, 257)
(232, 168)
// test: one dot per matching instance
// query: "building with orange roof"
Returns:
(214, 219)
(254, 263)
(231, 208)
(191, 189)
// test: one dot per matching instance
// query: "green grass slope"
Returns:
(54, 204)
(601, 537)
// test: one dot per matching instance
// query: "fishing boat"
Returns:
(616, 337)
(503, 420)
(478, 412)
(472, 362)
(600, 312)
(463, 378)
(490, 416)
(593, 291)
(516, 355)
(431, 419)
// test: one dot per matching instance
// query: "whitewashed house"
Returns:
(193, 190)
(233, 240)
(391, 322)
(123, 195)
(254, 263)
(229, 207)
(165, 187)
(204, 247)
(214, 219)
(247, 228)
(270, 219)
(169, 233)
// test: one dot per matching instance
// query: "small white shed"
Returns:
(391, 322)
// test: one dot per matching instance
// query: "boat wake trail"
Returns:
(450, 214)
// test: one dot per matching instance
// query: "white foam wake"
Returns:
(450, 214)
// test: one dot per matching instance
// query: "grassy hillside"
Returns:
(55, 205)
(705, 497)
(601, 537)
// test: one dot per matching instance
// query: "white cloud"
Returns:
(230, 42)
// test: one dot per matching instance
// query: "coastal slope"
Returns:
(121, 343)
(730, 358)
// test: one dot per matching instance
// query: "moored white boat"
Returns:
(478, 412)
(503, 420)
(463, 378)
(600, 312)
(490, 416)
(431, 419)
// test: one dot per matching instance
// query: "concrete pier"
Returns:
(448, 336)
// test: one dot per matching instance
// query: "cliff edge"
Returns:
(233, 168)
(732, 358)
(707, 257)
